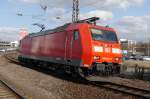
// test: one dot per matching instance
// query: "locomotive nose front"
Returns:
(107, 55)
(106, 48)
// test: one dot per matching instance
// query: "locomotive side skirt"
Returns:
(75, 62)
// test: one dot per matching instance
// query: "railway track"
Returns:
(109, 84)
(6, 92)
(11, 59)
(142, 93)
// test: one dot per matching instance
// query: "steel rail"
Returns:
(13, 90)
(142, 93)
(11, 59)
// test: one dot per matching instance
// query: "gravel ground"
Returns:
(38, 85)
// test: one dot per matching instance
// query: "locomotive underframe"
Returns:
(106, 68)
(102, 69)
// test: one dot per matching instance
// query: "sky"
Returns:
(130, 18)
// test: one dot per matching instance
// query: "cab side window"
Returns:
(76, 35)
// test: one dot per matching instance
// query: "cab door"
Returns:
(68, 46)
(73, 46)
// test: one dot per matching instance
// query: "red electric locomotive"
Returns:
(81, 47)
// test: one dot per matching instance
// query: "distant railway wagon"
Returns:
(81, 47)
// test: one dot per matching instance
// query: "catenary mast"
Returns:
(75, 14)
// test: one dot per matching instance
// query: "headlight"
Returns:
(116, 59)
(96, 57)
(98, 49)
(116, 51)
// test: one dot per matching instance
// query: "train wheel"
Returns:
(81, 72)
(85, 72)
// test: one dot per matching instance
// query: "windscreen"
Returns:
(104, 35)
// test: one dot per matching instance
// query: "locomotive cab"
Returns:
(101, 49)
(106, 50)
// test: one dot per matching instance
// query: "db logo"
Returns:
(107, 50)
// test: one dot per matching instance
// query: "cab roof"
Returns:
(91, 22)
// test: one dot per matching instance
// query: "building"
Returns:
(14, 44)
(9, 46)
(5, 45)
(130, 47)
